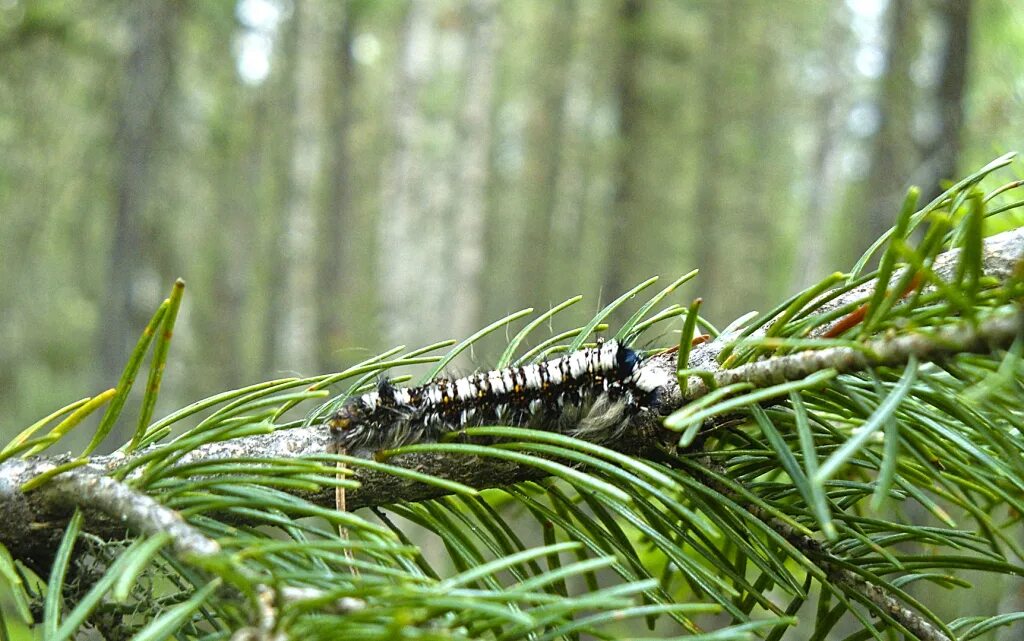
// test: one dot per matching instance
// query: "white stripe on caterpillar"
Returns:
(596, 391)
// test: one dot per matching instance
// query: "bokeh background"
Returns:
(332, 178)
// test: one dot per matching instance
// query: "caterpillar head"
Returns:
(353, 413)
(343, 419)
(626, 361)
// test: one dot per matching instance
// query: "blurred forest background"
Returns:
(333, 178)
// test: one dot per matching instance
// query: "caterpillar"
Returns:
(595, 392)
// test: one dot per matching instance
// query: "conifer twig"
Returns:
(965, 338)
(820, 556)
(136, 511)
(31, 522)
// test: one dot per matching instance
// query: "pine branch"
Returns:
(138, 512)
(1002, 253)
(818, 554)
(31, 522)
(966, 338)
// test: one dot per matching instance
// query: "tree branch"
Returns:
(819, 555)
(31, 523)
(966, 338)
(137, 511)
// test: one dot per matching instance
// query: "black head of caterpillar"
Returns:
(594, 392)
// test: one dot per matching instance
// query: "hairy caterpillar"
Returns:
(595, 392)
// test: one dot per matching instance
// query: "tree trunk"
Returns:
(265, 169)
(147, 85)
(943, 152)
(893, 156)
(274, 115)
(714, 117)
(545, 141)
(830, 112)
(336, 221)
(573, 264)
(223, 264)
(299, 330)
(628, 172)
(758, 227)
(474, 165)
(416, 195)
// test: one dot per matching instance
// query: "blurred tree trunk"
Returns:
(545, 141)
(830, 112)
(574, 149)
(629, 168)
(335, 253)
(714, 120)
(147, 86)
(224, 260)
(273, 119)
(266, 169)
(298, 316)
(474, 165)
(578, 232)
(893, 153)
(758, 228)
(416, 193)
(943, 152)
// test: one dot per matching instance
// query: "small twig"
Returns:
(819, 555)
(340, 605)
(269, 602)
(920, 627)
(967, 338)
(136, 511)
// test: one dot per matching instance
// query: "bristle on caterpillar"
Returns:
(595, 392)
